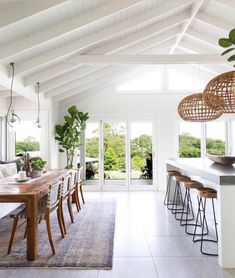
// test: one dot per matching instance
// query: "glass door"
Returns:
(92, 151)
(141, 154)
(114, 153)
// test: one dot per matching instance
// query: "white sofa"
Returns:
(7, 173)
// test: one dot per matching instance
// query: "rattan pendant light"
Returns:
(219, 93)
(194, 109)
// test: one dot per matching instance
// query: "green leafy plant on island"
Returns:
(68, 133)
(230, 44)
(38, 164)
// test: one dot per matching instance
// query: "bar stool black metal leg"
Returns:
(166, 199)
(199, 212)
(202, 238)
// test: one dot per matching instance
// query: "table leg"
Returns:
(32, 228)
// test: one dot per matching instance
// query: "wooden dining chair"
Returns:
(74, 189)
(80, 178)
(66, 196)
(46, 206)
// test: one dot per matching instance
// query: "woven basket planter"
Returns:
(219, 93)
(194, 109)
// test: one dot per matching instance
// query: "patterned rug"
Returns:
(87, 245)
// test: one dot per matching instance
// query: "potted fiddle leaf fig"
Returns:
(229, 43)
(68, 133)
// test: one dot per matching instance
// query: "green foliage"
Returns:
(30, 144)
(110, 160)
(38, 164)
(68, 134)
(227, 42)
(190, 146)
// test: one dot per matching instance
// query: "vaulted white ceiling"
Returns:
(64, 44)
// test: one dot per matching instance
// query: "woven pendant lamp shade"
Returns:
(219, 93)
(194, 109)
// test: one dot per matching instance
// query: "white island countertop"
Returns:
(203, 167)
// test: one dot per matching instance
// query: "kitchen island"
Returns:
(222, 179)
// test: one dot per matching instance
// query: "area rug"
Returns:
(87, 245)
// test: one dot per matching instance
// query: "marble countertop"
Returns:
(204, 168)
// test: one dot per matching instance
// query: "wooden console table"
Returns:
(30, 192)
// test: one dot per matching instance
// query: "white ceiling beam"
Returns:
(213, 21)
(29, 93)
(71, 48)
(81, 81)
(109, 48)
(196, 49)
(107, 79)
(194, 10)
(77, 73)
(228, 3)
(153, 41)
(150, 59)
(67, 78)
(64, 28)
(26, 10)
(116, 75)
(203, 37)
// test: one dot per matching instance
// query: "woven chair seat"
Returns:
(23, 212)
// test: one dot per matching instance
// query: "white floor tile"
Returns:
(130, 268)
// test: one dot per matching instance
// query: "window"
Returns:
(185, 77)
(27, 138)
(189, 139)
(149, 80)
(215, 138)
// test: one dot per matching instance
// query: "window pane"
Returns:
(114, 153)
(149, 79)
(141, 153)
(215, 138)
(186, 77)
(28, 138)
(189, 139)
(92, 151)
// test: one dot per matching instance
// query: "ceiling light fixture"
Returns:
(12, 118)
(38, 118)
(219, 93)
(194, 109)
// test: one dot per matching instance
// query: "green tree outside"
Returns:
(189, 146)
(30, 144)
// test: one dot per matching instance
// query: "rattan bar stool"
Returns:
(178, 199)
(204, 194)
(169, 175)
(187, 204)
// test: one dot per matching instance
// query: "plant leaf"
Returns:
(232, 58)
(224, 42)
(61, 151)
(232, 35)
(227, 50)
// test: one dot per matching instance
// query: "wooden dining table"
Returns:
(29, 193)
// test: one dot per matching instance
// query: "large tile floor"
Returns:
(148, 244)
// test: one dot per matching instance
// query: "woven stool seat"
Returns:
(207, 194)
(172, 173)
(192, 184)
(181, 178)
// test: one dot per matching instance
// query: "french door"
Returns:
(119, 154)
